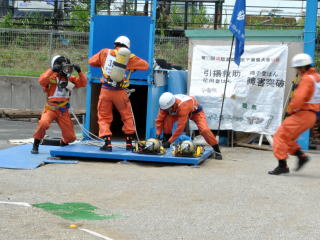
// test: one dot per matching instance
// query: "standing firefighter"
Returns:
(116, 64)
(302, 111)
(58, 83)
(181, 108)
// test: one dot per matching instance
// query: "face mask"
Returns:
(67, 69)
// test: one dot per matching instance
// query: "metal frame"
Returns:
(149, 81)
(310, 37)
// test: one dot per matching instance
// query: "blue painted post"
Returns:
(150, 77)
(310, 36)
(89, 75)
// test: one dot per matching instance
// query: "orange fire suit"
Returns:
(57, 105)
(303, 110)
(115, 96)
(185, 108)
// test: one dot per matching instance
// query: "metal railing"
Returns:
(173, 17)
(29, 52)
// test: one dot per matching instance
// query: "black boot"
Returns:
(63, 144)
(35, 147)
(166, 137)
(281, 169)
(302, 159)
(216, 152)
(129, 139)
(107, 144)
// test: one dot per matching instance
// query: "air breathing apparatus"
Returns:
(149, 146)
(187, 149)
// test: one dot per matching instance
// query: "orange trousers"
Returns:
(119, 99)
(284, 140)
(201, 122)
(64, 121)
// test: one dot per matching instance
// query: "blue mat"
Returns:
(89, 151)
(19, 157)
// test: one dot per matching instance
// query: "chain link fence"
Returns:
(29, 52)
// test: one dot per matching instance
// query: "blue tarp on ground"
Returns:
(19, 157)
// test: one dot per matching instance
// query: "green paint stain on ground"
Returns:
(74, 211)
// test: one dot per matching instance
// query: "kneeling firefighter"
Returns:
(302, 115)
(181, 108)
(58, 83)
(116, 64)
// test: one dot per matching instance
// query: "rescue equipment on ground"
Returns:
(149, 146)
(187, 149)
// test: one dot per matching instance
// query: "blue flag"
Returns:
(237, 27)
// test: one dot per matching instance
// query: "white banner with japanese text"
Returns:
(255, 90)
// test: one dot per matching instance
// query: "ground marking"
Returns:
(17, 203)
(95, 234)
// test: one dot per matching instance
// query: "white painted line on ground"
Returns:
(95, 234)
(17, 203)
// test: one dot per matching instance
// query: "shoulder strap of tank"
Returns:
(131, 55)
(103, 72)
(52, 82)
(312, 77)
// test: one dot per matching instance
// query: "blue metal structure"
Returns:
(310, 38)
(141, 31)
(89, 151)
(104, 30)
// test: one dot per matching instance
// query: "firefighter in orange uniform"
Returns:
(58, 83)
(302, 113)
(116, 65)
(181, 108)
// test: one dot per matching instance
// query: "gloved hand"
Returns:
(166, 144)
(56, 68)
(158, 137)
(77, 68)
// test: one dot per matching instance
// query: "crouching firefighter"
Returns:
(117, 65)
(58, 83)
(302, 115)
(181, 108)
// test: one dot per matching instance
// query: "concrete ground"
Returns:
(230, 199)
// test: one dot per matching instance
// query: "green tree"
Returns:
(80, 18)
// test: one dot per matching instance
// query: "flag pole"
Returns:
(225, 87)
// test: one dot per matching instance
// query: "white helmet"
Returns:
(123, 40)
(166, 100)
(54, 59)
(301, 60)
